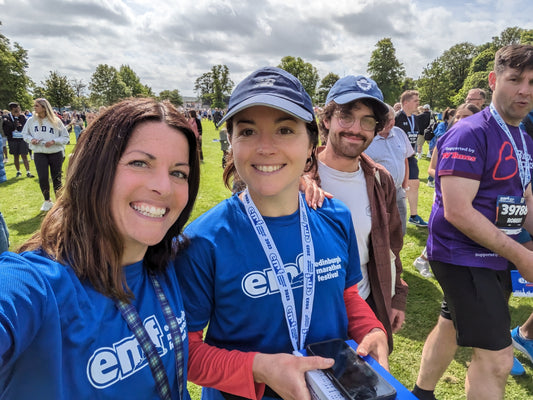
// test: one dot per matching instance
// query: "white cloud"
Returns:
(170, 44)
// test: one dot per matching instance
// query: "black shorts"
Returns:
(477, 299)
(18, 146)
(413, 167)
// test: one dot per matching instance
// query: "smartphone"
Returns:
(352, 375)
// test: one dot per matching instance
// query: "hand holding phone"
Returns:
(351, 374)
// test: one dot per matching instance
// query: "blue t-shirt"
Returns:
(227, 282)
(61, 339)
(475, 148)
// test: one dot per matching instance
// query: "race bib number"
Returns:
(17, 135)
(511, 212)
(412, 137)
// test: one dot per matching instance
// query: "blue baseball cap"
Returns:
(351, 88)
(271, 87)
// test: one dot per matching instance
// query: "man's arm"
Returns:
(405, 183)
(528, 223)
(457, 196)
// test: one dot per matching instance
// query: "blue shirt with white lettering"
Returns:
(61, 339)
(227, 282)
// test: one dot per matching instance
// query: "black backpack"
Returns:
(429, 131)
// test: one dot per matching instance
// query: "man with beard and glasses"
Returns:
(353, 115)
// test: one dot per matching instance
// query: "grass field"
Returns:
(21, 199)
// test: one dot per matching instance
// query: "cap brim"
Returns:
(267, 100)
(349, 97)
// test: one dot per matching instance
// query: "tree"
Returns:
(527, 37)
(80, 100)
(107, 87)
(476, 80)
(173, 96)
(304, 71)
(222, 85)
(14, 82)
(133, 82)
(508, 36)
(203, 86)
(408, 84)
(326, 84)
(484, 61)
(215, 86)
(38, 92)
(57, 90)
(456, 63)
(386, 70)
(433, 86)
(78, 86)
(478, 74)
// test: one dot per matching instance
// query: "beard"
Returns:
(345, 148)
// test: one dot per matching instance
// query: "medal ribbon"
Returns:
(274, 259)
(525, 172)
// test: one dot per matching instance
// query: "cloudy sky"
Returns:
(170, 43)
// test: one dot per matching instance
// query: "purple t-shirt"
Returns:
(475, 148)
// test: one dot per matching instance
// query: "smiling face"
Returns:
(270, 151)
(150, 187)
(513, 94)
(349, 143)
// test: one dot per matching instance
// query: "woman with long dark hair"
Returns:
(89, 308)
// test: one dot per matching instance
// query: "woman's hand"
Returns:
(50, 143)
(285, 373)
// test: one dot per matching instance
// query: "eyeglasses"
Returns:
(347, 120)
(473, 98)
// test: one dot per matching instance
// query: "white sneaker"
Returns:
(47, 205)
(423, 267)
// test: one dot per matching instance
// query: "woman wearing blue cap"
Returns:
(267, 273)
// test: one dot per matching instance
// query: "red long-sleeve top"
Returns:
(231, 370)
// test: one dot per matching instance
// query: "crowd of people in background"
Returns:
(289, 158)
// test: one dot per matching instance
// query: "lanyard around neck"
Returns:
(411, 121)
(276, 263)
(132, 318)
(522, 158)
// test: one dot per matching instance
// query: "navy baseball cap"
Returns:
(271, 87)
(351, 88)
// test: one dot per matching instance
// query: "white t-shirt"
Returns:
(350, 188)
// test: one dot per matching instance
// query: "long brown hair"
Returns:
(80, 230)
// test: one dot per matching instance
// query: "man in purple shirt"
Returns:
(483, 192)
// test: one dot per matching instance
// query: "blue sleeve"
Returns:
(23, 294)
(440, 129)
(195, 270)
